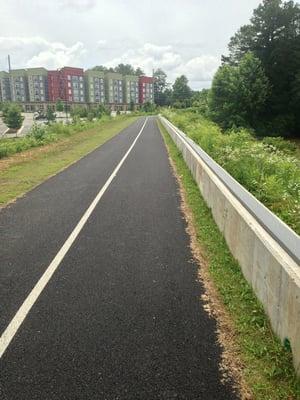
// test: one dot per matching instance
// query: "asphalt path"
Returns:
(122, 316)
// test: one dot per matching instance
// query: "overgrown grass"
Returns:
(21, 172)
(268, 365)
(269, 168)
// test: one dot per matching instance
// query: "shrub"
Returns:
(12, 116)
(38, 132)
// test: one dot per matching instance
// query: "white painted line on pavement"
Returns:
(21, 314)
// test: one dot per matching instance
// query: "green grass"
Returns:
(268, 168)
(296, 142)
(268, 368)
(41, 135)
(25, 170)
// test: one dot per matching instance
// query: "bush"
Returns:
(38, 132)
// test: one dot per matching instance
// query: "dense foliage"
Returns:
(90, 113)
(239, 93)
(258, 84)
(267, 168)
(273, 37)
(124, 69)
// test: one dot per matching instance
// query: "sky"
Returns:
(180, 36)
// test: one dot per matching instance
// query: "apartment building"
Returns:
(131, 89)
(37, 79)
(38, 88)
(72, 85)
(5, 93)
(146, 89)
(54, 87)
(94, 86)
(19, 85)
(114, 88)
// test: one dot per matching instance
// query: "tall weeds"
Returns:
(269, 168)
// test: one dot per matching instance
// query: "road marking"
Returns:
(21, 314)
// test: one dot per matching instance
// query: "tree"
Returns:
(253, 88)
(160, 85)
(148, 107)
(273, 36)
(168, 96)
(50, 115)
(139, 72)
(100, 68)
(12, 116)
(199, 100)
(181, 91)
(223, 97)
(239, 93)
(125, 69)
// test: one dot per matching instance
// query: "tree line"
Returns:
(258, 83)
(124, 69)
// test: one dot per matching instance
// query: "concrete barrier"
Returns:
(266, 248)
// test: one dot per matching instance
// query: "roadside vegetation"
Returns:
(48, 150)
(43, 134)
(268, 168)
(267, 365)
(40, 135)
(257, 86)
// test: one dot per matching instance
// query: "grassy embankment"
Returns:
(268, 168)
(268, 369)
(43, 154)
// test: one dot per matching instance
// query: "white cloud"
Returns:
(102, 44)
(37, 51)
(150, 56)
(78, 5)
(201, 68)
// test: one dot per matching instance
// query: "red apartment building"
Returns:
(54, 85)
(145, 89)
(66, 84)
(72, 84)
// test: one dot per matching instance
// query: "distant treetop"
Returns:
(124, 69)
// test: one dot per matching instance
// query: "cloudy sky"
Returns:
(179, 36)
